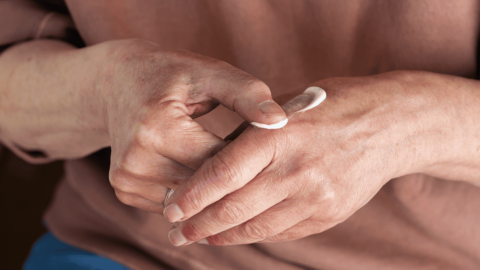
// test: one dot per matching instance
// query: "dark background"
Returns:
(25, 191)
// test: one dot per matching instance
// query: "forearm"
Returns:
(452, 127)
(50, 100)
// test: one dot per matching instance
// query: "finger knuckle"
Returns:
(332, 208)
(122, 182)
(255, 230)
(147, 135)
(133, 165)
(127, 166)
(193, 232)
(125, 198)
(285, 236)
(277, 238)
(334, 215)
(219, 169)
(230, 212)
(193, 198)
(218, 240)
(328, 200)
(256, 85)
(221, 174)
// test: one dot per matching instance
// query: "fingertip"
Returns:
(318, 96)
(173, 213)
(307, 100)
(271, 112)
(176, 237)
(203, 241)
(270, 108)
(269, 116)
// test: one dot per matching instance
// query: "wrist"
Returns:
(112, 94)
(51, 104)
(415, 120)
(396, 111)
(452, 146)
(436, 114)
(91, 78)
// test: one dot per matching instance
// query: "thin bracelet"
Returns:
(41, 25)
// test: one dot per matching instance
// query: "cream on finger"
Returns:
(272, 126)
(309, 99)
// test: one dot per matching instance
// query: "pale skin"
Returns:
(266, 185)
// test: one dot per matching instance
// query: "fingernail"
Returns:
(269, 107)
(203, 241)
(173, 213)
(176, 237)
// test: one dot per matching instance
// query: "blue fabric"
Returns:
(52, 254)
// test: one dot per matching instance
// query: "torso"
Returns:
(287, 43)
(291, 43)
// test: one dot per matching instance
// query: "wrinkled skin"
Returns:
(278, 185)
(130, 95)
(151, 99)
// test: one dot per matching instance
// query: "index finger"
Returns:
(230, 169)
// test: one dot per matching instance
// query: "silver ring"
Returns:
(167, 196)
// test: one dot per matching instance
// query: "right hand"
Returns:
(150, 97)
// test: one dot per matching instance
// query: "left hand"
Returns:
(279, 185)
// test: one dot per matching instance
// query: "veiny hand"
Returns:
(150, 97)
(279, 185)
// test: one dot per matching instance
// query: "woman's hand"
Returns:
(66, 103)
(278, 185)
(150, 97)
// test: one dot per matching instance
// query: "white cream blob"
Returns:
(272, 126)
(313, 95)
(319, 95)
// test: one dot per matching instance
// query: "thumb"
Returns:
(249, 97)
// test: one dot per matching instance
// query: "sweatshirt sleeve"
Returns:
(23, 20)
